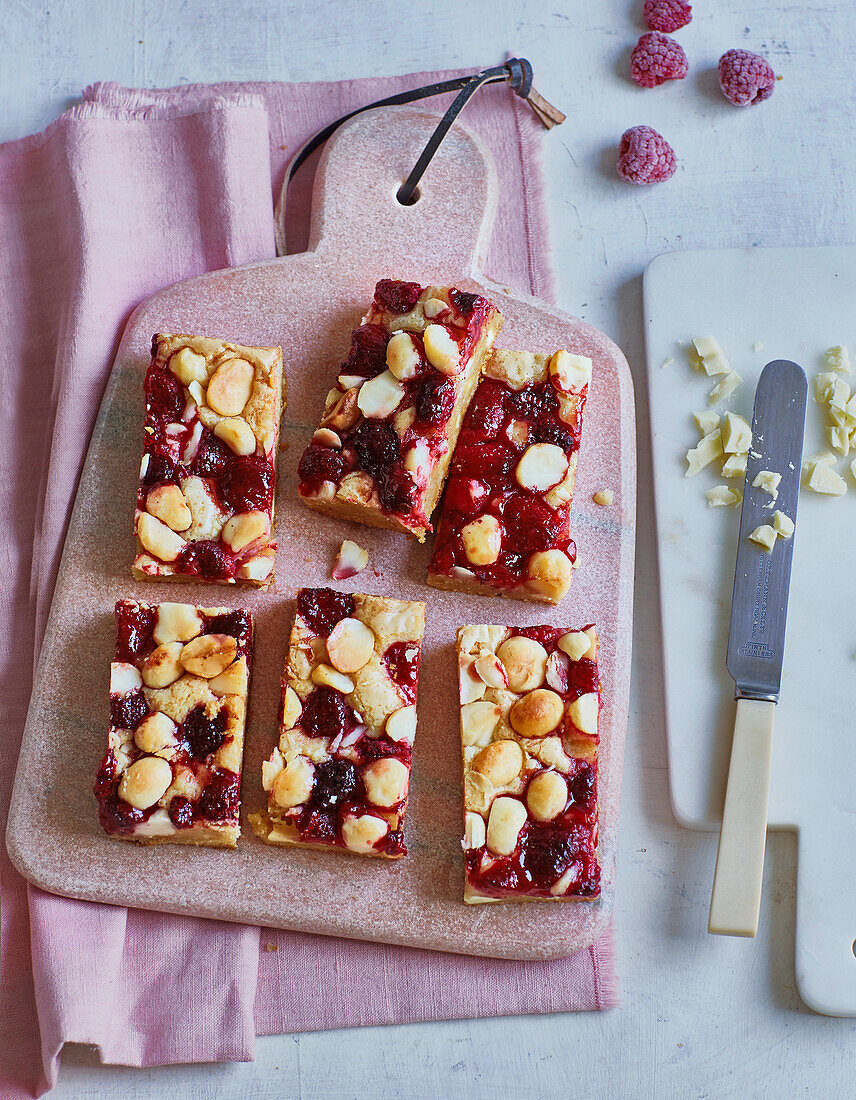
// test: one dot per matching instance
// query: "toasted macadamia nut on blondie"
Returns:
(233, 681)
(380, 396)
(230, 387)
(478, 721)
(507, 818)
(482, 539)
(550, 573)
(188, 366)
(350, 645)
(546, 796)
(258, 567)
(570, 372)
(558, 670)
(327, 676)
(145, 782)
(474, 830)
(292, 708)
(160, 541)
(402, 356)
(575, 643)
(499, 762)
(361, 834)
(344, 413)
(583, 712)
(237, 434)
(163, 666)
(442, 351)
(209, 655)
(541, 466)
(491, 671)
(525, 662)
(401, 725)
(294, 783)
(176, 622)
(537, 713)
(124, 677)
(385, 781)
(155, 732)
(167, 503)
(242, 530)
(326, 437)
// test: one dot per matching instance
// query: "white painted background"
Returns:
(702, 1016)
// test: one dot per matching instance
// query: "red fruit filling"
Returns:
(397, 297)
(134, 625)
(322, 608)
(402, 663)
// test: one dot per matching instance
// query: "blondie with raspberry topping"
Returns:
(530, 703)
(205, 504)
(340, 773)
(387, 434)
(504, 529)
(178, 701)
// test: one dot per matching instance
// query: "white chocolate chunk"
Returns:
(385, 781)
(525, 662)
(350, 645)
(735, 466)
(145, 782)
(736, 435)
(764, 536)
(380, 396)
(293, 785)
(711, 355)
(327, 676)
(546, 796)
(823, 383)
(541, 466)
(402, 356)
(401, 725)
(158, 539)
(233, 680)
(783, 525)
(570, 372)
(176, 622)
(823, 479)
(558, 671)
(839, 395)
(768, 481)
(271, 769)
(188, 366)
(507, 818)
(124, 677)
(209, 654)
(584, 711)
(482, 539)
(350, 560)
(603, 497)
(238, 435)
(441, 349)
(259, 567)
(433, 307)
(575, 643)
(197, 393)
(725, 388)
(230, 387)
(242, 530)
(706, 421)
(839, 440)
(417, 460)
(474, 831)
(838, 359)
(708, 449)
(361, 834)
(722, 496)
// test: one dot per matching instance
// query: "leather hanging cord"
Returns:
(517, 72)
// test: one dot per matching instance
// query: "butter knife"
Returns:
(756, 642)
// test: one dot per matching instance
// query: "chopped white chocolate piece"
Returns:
(839, 440)
(734, 466)
(823, 383)
(725, 388)
(736, 435)
(757, 346)
(712, 356)
(764, 536)
(722, 496)
(351, 560)
(823, 479)
(706, 421)
(571, 372)
(783, 525)
(604, 497)
(769, 482)
(708, 449)
(838, 359)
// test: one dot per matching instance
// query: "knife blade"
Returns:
(756, 643)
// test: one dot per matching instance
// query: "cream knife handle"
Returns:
(736, 899)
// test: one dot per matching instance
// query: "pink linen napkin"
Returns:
(127, 193)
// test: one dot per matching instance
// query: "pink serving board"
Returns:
(308, 304)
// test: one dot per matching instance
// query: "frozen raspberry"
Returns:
(667, 15)
(657, 58)
(745, 78)
(644, 156)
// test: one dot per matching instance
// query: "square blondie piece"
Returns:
(340, 773)
(391, 421)
(205, 504)
(530, 702)
(505, 525)
(178, 703)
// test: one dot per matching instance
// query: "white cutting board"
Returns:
(796, 302)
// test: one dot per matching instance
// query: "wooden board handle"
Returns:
(736, 898)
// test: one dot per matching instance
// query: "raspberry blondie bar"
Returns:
(206, 499)
(504, 529)
(340, 773)
(387, 434)
(178, 701)
(530, 701)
